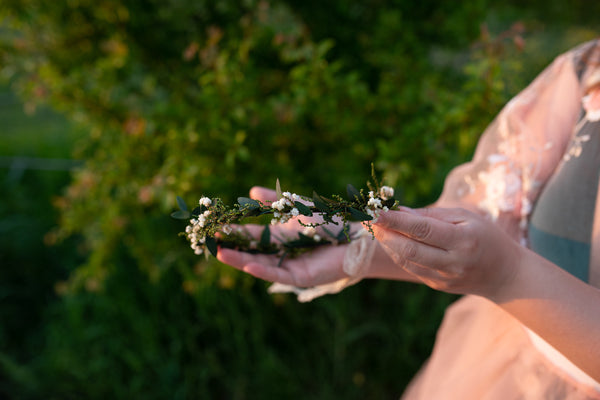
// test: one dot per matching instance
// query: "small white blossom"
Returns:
(278, 205)
(374, 203)
(317, 238)
(226, 229)
(309, 231)
(386, 192)
(205, 201)
(295, 212)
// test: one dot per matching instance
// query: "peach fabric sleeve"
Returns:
(519, 151)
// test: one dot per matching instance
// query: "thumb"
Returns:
(263, 194)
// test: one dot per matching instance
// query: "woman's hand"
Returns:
(320, 266)
(451, 250)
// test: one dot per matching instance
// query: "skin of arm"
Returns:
(458, 251)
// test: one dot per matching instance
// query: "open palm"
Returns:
(320, 266)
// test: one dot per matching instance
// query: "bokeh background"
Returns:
(109, 109)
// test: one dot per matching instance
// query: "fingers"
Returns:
(239, 259)
(263, 194)
(404, 250)
(260, 266)
(435, 228)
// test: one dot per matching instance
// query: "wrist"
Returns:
(518, 277)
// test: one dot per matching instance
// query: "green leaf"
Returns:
(180, 214)
(211, 245)
(265, 236)
(389, 203)
(304, 210)
(353, 193)
(343, 234)
(247, 202)
(320, 203)
(181, 204)
(278, 189)
(254, 212)
(333, 235)
(359, 215)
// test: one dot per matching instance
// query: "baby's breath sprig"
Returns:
(213, 224)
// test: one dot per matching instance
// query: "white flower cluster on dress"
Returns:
(196, 224)
(284, 208)
(374, 205)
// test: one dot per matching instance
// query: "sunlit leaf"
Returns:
(278, 189)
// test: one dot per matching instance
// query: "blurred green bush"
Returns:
(209, 98)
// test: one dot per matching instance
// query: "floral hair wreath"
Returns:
(213, 224)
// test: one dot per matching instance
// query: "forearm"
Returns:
(560, 308)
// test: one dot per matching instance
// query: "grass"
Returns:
(43, 133)
(28, 268)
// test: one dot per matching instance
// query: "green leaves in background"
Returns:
(181, 98)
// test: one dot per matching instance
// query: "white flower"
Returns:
(205, 201)
(374, 203)
(278, 205)
(317, 238)
(309, 231)
(295, 212)
(226, 229)
(386, 192)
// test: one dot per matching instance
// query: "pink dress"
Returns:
(536, 173)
